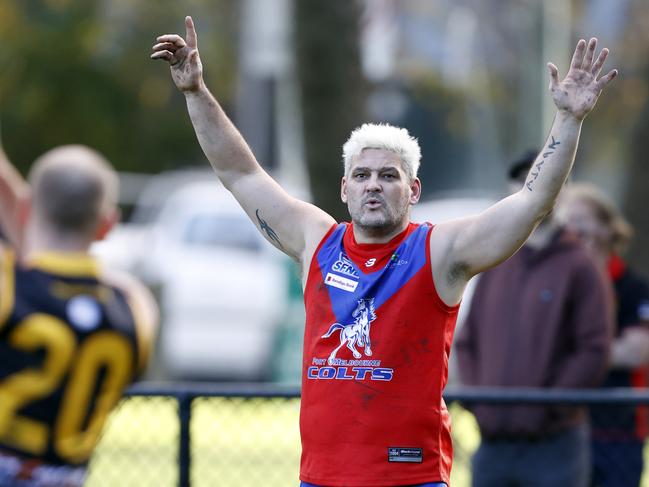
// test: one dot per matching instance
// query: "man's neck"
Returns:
(377, 235)
(40, 239)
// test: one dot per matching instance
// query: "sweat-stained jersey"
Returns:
(69, 345)
(376, 347)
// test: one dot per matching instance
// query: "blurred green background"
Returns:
(468, 78)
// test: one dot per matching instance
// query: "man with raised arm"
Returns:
(381, 292)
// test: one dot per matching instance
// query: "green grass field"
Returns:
(235, 442)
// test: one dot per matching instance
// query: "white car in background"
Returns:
(222, 289)
(450, 207)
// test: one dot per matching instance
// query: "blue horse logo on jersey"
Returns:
(356, 333)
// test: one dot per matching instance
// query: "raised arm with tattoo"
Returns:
(465, 247)
(292, 226)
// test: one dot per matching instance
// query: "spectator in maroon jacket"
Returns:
(541, 319)
(618, 433)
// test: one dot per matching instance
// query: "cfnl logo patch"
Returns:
(340, 282)
(345, 266)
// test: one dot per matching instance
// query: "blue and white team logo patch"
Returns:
(356, 333)
(345, 266)
(354, 337)
(84, 313)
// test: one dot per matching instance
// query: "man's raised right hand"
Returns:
(182, 56)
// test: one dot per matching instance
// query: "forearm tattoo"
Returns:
(536, 170)
(272, 235)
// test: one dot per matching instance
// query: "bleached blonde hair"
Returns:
(387, 137)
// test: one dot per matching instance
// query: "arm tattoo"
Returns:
(536, 170)
(272, 235)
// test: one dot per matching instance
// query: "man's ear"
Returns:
(343, 190)
(106, 223)
(415, 191)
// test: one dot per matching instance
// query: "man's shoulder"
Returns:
(7, 284)
(144, 308)
(136, 293)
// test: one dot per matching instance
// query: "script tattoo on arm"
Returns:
(536, 170)
(272, 235)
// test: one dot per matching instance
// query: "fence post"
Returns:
(184, 460)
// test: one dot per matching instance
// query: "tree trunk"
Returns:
(635, 207)
(332, 90)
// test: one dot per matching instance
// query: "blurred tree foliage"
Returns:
(634, 98)
(78, 71)
(437, 116)
(616, 135)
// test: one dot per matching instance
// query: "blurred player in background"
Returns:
(72, 336)
(381, 293)
(618, 433)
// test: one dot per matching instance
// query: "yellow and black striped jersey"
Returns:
(70, 342)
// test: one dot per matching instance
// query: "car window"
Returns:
(222, 231)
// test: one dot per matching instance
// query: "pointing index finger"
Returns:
(192, 40)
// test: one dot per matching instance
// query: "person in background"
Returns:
(541, 319)
(73, 335)
(618, 433)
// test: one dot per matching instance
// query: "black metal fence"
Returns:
(185, 434)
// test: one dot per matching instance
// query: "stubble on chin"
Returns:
(376, 222)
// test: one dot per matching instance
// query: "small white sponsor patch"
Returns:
(340, 282)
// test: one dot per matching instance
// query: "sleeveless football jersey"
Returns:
(376, 347)
(69, 345)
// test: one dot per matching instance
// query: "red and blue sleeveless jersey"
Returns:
(376, 347)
